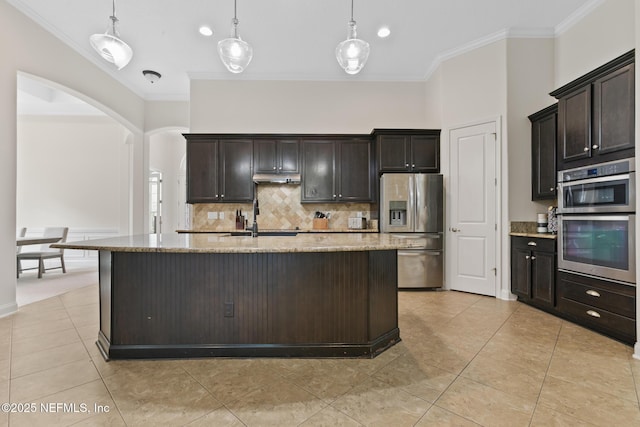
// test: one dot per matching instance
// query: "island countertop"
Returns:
(226, 243)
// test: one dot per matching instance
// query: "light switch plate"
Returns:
(212, 215)
(221, 215)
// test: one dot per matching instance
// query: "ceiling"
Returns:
(292, 39)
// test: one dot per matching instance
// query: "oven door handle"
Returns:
(595, 217)
(610, 178)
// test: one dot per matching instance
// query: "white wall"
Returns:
(59, 182)
(530, 78)
(604, 34)
(30, 49)
(166, 151)
(305, 107)
(166, 114)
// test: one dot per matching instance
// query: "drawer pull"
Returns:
(593, 293)
(593, 313)
(532, 244)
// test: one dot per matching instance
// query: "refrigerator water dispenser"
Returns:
(397, 212)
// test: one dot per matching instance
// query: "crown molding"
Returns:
(577, 16)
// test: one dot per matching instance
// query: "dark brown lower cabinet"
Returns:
(600, 305)
(533, 269)
(294, 304)
(606, 307)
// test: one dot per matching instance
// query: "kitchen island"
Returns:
(199, 295)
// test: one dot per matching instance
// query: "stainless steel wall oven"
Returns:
(596, 221)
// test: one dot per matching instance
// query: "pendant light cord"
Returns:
(113, 17)
(352, 10)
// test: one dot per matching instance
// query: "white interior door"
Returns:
(472, 232)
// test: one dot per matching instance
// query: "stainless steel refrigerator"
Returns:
(411, 207)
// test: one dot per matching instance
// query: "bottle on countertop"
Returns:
(239, 222)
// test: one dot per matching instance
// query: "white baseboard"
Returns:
(8, 309)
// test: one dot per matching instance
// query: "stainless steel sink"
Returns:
(277, 233)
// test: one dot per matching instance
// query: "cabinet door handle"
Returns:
(340, 195)
(593, 293)
(532, 257)
(593, 313)
(413, 166)
(453, 229)
(406, 165)
(222, 196)
(334, 196)
(274, 168)
(594, 146)
(586, 149)
(552, 189)
(532, 244)
(527, 257)
(280, 168)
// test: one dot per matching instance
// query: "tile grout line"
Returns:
(94, 365)
(546, 372)
(472, 359)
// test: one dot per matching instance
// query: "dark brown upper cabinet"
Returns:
(276, 156)
(337, 170)
(219, 170)
(543, 153)
(236, 170)
(202, 171)
(401, 150)
(596, 115)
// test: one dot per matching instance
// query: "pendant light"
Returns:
(234, 52)
(110, 46)
(352, 53)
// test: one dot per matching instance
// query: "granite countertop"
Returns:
(225, 243)
(535, 235)
(313, 230)
(529, 229)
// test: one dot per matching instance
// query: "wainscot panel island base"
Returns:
(197, 295)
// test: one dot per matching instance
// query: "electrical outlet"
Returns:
(228, 309)
(221, 215)
(212, 215)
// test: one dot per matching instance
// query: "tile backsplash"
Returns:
(280, 209)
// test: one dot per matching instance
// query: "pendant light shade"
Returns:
(352, 53)
(110, 46)
(234, 52)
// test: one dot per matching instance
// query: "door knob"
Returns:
(455, 230)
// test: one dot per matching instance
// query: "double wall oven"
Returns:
(597, 221)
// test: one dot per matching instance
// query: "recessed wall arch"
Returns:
(123, 157)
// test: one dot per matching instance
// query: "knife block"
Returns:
(320, 223)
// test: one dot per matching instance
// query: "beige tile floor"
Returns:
(465, 360)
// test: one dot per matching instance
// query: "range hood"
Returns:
(272, 178)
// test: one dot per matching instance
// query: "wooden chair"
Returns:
(45, 252)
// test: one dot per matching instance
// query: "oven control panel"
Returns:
(603, 169)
